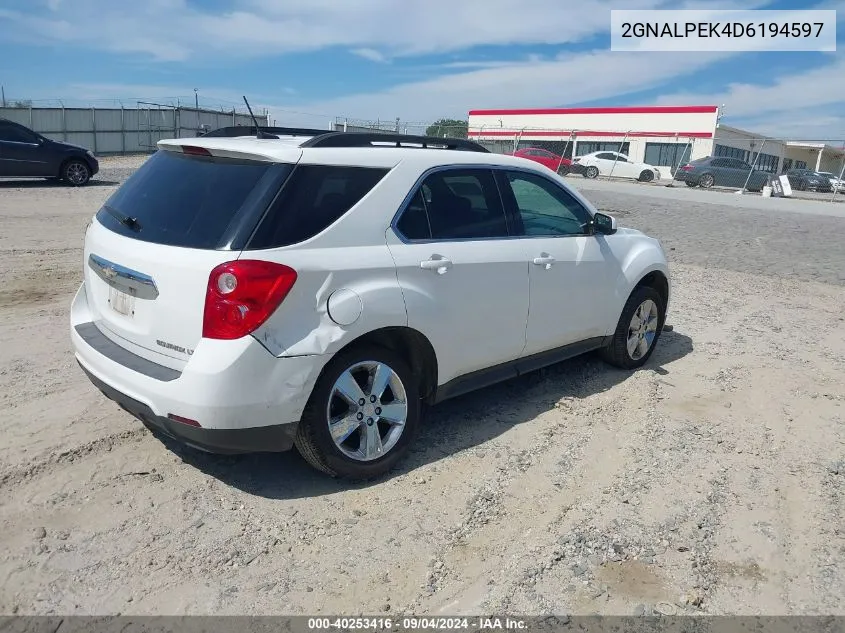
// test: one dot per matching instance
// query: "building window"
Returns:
(787, 164)
(800, 164)
(667, 154)
(765, 162)
(588, 147)
(730, 152)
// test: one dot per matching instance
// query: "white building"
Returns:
(663, 136)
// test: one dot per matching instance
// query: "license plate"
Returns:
(121, 302)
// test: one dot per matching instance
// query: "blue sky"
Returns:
(309, 61)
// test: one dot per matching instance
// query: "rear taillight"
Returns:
(195, 151)
(241, 295)
(686, 168)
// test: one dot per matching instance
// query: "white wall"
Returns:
(637, 126)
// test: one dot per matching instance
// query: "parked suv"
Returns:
(26, 154)
(245, 294)
(720, 171)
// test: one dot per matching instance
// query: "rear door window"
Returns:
(15, 134)
(189, 201)
(313, 198)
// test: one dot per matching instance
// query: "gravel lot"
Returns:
(709, 482)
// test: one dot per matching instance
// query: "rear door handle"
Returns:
(437, 263)
(544, 260)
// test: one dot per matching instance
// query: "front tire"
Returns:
(363, 414)
(591, 172)
(646, 176)
(76, 173)
(637, 331)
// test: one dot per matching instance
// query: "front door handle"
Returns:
(544, 260)
(436, 263)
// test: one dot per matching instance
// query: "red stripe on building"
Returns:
(621, 110)
(580, 133)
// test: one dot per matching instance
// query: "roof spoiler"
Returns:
(251, 130)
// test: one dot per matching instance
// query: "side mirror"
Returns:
(604, 224)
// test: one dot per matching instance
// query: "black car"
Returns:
(27, 154)
(720, 171)
(808, 180)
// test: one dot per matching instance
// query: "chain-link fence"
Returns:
(730, 160)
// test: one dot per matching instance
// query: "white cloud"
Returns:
(807, 103)
(371, 54)
(576, 78)
(174, 30)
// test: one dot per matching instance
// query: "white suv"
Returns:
(256, 294)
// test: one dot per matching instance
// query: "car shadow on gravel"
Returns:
(52, 184)
(456, 425)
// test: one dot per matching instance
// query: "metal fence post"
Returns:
(756, 159)
(94, 128)
(841, 173)
(122, 130)
(616, 155)
(64, 123)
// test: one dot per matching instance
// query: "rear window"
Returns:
(312, 199)
(190, 201)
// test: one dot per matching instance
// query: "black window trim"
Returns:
(509, 211)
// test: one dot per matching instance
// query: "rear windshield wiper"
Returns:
(125, 220)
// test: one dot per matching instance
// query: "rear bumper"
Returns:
(244, 398)
(273, 438)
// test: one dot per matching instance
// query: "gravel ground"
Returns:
(709, 482)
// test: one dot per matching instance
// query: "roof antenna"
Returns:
(258, 132)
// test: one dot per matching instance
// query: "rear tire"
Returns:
(706, 181)
(591, 172)
(691, 184)
(338, 437)
(637, 331)
(646, 176)
(76, 172)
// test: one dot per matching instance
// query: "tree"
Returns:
(452, 128)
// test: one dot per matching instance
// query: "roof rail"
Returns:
(367, 139)
(249, 130)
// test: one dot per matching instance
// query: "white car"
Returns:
(836, 183)
(615, 164)
(245, 294)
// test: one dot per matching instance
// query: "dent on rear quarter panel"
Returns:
(300, 330)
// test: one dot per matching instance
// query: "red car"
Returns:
(545, 157)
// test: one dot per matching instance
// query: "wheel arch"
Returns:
(72, 157)
(412, 345)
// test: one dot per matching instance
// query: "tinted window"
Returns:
(667, 154)
(188, 201)
(721, 162)
(545, 208)
(605, 156)
(313, 198)
(16, 134)
(414, 221)
(459, 204)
